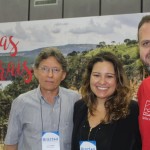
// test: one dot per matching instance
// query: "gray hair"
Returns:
(48, 52)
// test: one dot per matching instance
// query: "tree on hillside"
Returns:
(130, 42)
(74, 53)
(5, 104)
(101, 44)
(84, 52)
(18, 87)
(76, 68)
(113, 42)
(126, 59)
(127, 41)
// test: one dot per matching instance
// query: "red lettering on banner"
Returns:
(1, 71)
(28, 78)
(14, 46)
(13, 69)
(3, 42)
(8, 43)
(16, 70)
(10, 69)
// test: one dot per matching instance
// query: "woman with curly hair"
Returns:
(106, 118)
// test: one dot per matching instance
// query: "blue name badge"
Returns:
(87, 145)
(50, 141)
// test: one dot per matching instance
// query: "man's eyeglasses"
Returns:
(46, 70)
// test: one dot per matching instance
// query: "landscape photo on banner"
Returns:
(78, 39)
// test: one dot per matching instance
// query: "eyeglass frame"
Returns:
(46, 70)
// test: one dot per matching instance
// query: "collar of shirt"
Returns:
(57, 98)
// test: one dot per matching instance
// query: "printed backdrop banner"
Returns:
(20, 42)
(78, 39)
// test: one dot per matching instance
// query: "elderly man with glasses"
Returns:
(42, 119)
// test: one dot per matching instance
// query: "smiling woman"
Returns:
(103, 80)
(106, 116)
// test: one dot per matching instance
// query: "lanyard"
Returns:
(41, 108)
